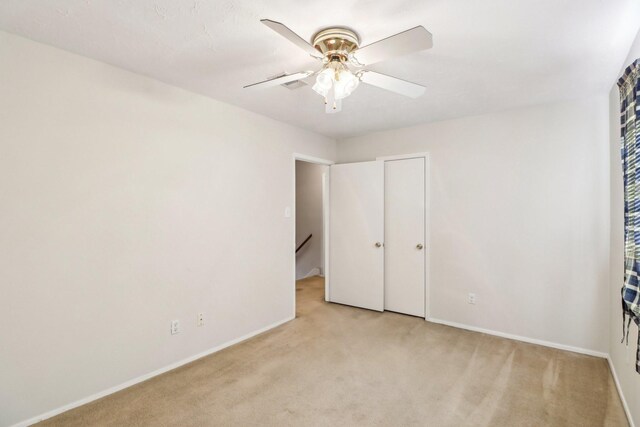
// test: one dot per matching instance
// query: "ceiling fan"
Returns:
(343, 58)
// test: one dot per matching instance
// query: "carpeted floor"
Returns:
(342, 366)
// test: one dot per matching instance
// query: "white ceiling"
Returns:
(487, 56)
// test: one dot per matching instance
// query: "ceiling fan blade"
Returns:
(277, 81)
(413, 40)
(311, 78)
(403, 87)
(285, 32)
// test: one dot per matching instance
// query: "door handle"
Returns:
(419, 246)
(378, 244)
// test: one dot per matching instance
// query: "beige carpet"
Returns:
(341, 366)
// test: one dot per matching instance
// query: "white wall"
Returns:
(622, 357)
(519, 216)
(126, 203)
(309, 217)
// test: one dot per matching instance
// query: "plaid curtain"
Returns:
(629, 85)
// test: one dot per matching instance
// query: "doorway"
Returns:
(310, 228)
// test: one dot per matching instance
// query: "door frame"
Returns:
(325, 221)
(427, 233)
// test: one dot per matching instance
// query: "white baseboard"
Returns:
(520, 338)
(619, 388)
(552, 345)
(190, 359)
(147, 376)
(314, 272)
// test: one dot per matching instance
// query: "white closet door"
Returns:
(404, 271)
(356, 252)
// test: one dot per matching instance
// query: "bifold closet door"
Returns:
(356, 223)
(404, 270)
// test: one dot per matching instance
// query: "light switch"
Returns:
(287, 212)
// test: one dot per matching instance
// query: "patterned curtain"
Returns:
(629, 85)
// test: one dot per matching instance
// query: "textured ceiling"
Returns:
(488, 55)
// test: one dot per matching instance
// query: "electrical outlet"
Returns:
(200, 321)
(175, 327)
(471, 299)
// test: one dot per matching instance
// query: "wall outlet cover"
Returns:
(175, 327)
(200, 319)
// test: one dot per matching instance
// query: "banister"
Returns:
(304, 243)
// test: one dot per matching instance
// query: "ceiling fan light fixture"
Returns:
(337, 77)
(346, 83)
(324, 81)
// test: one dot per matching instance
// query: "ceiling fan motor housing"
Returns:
(336, 43)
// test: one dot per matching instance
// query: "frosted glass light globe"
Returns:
(324, 81)
(346, 84)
